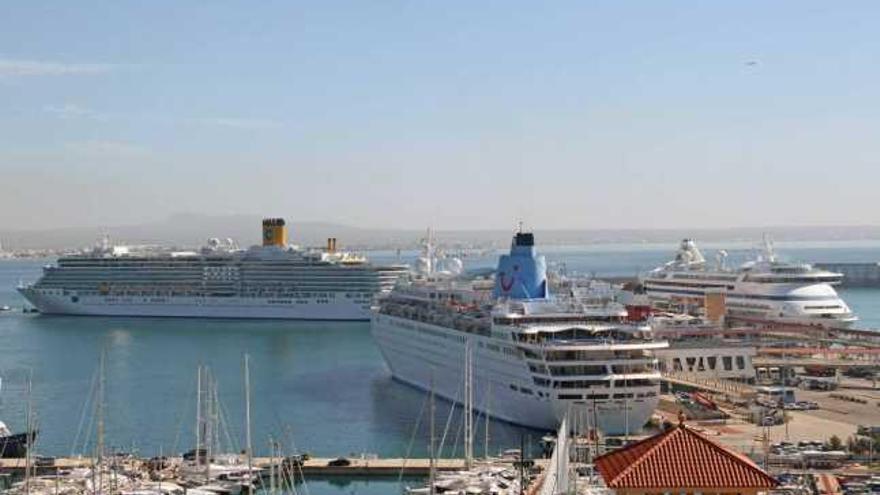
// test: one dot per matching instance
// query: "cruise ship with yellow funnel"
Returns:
(272, 280)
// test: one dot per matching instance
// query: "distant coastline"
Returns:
(187, 231)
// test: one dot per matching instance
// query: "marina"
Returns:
(424, 248)
(393, 406)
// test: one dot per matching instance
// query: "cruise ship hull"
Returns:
(339, 308)
(432, 357)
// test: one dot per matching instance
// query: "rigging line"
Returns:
(285, 474)
(183, 418)
(458, 434)
(302, 475)
(448, 423)
(412, 440)
(288, 431)
(298, 466)
(224, 425)
(82, 417)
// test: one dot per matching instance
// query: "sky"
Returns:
(459, 115)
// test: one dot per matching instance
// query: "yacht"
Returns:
(13, 445)
(765, 288)
(272, 280)
(515, 351)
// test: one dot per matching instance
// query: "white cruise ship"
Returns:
(765, 289)
(274, 280)
(534, 356)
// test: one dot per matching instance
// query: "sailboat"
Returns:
(207, 468)
(489, 477)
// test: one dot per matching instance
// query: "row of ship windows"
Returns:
(197, 271)
(510, 351)
(748, 305)
(698, 276)
(546, 320)
(539, 393)
(306, 295)
(253, 281)
(298, 301)
(711, 362)
(636, 382)
(605, 396)
(792, 280)
(599, 370)
(114, 262)
(207, 266)
(441, 335)
(594, 355)
(688, 285)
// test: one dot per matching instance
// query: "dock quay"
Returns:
(779, 329)
(311, 467)
(719, 386)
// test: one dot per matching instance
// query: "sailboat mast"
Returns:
(28, 439)
(486, 415)
(209, 424)
(100, 440)
(198, 414)
(469, 405)
(432, 469)
(247, 419)
(626, 406)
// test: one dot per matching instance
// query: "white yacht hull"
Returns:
(432, 357)
(339, 307)
(770, 307)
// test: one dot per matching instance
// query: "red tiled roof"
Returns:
(680, 458)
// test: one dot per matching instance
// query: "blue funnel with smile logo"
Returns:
(522, 274)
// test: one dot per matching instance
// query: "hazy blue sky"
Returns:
(453, 114)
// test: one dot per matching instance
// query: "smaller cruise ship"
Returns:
(765, 288)
(533, 356)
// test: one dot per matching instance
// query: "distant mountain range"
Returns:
(189, 230)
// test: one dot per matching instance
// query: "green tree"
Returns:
(834, 443)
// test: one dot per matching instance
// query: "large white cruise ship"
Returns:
(274, 280)
(762, 289)
(533, 356)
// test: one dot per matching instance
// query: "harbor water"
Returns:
(321, 388)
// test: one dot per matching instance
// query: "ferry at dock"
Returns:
(763, 289)
(531, 356)
(272, 280)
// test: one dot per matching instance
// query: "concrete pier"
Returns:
(314, 466)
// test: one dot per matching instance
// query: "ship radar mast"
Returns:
(769, 251)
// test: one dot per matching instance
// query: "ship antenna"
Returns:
(768, 248)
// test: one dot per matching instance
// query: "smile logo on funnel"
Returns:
(506, 285)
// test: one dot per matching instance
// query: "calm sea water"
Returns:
(321, 387)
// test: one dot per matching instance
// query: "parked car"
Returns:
(772, 420)
(340, 462)
(191, 454)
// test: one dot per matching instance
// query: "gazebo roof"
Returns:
(680, 458)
